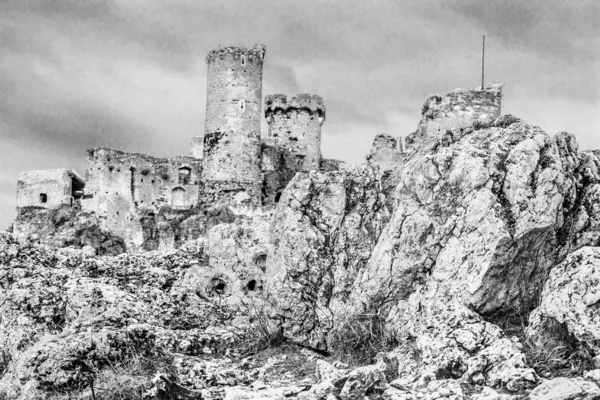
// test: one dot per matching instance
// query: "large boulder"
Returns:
(480, 216)
(322, 234)
(571, 296)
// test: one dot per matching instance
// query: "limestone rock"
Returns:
(451, 342)
(322, 235)
(68, 316)
(571, 295)
(479, 218)
(566, 389)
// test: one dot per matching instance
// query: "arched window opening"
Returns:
(178, 197)
(184, 175)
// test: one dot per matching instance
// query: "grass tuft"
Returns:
(360, 338)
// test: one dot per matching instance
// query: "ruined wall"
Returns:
(45, 189)
(387, 151)
(121, 185)
(296, 125)
(231, 163)
(330, 164)
(66, 226)
(278, 168)
(460, 108)
(197, 147)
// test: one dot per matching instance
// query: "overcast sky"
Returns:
(130, 74)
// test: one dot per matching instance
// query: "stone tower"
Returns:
(460, 108)
(296, 126)
(231, 155)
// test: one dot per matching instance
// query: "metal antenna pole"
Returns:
(482, 61)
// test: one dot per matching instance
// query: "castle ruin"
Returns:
(142, 202)
(457, 109)
(232, 171)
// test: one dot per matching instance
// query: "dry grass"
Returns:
(552, 353)
(266, 334)
(360, 338)
(556, 352)
(125, 379)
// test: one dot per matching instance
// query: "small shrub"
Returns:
(267, 333)
(360, 338)
(556, 352)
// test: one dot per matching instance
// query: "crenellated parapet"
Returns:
(233, 53)
(312, 104)
(295, 124)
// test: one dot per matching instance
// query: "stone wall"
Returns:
(460, 108)
(197, 147)
(47, 189)
(387, 151)
(231, 166)
(66, 226)
(296, 125)
(121, 185)
(278, 168)
(330, 164)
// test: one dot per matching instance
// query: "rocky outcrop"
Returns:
(570, 297)
(480, 219)
(566, 389)
(68, 315)
(322, 235)
(468, 229)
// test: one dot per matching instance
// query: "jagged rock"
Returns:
(566, 389)
(451, 342)
(570, 296)
(479, 218)
(67, 314)
(363, 381)
(480, 215)
(322, 235)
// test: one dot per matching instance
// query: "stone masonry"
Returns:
(140, 202)
(231, 165)
(155, 203)
(460, 108)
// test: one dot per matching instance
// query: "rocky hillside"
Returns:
(470, 272)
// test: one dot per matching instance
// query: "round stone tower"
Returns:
(296, 125)
(231, 160)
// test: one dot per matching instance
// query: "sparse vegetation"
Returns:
(554, 351)
(360, 338)
(268, 334)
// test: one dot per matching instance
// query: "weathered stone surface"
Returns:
(481, 216)
(451, 342)
(566, 389)
(68, 315)
(322, 236)
(571, 295)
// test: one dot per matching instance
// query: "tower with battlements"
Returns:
(231, 153)
(295, 125)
